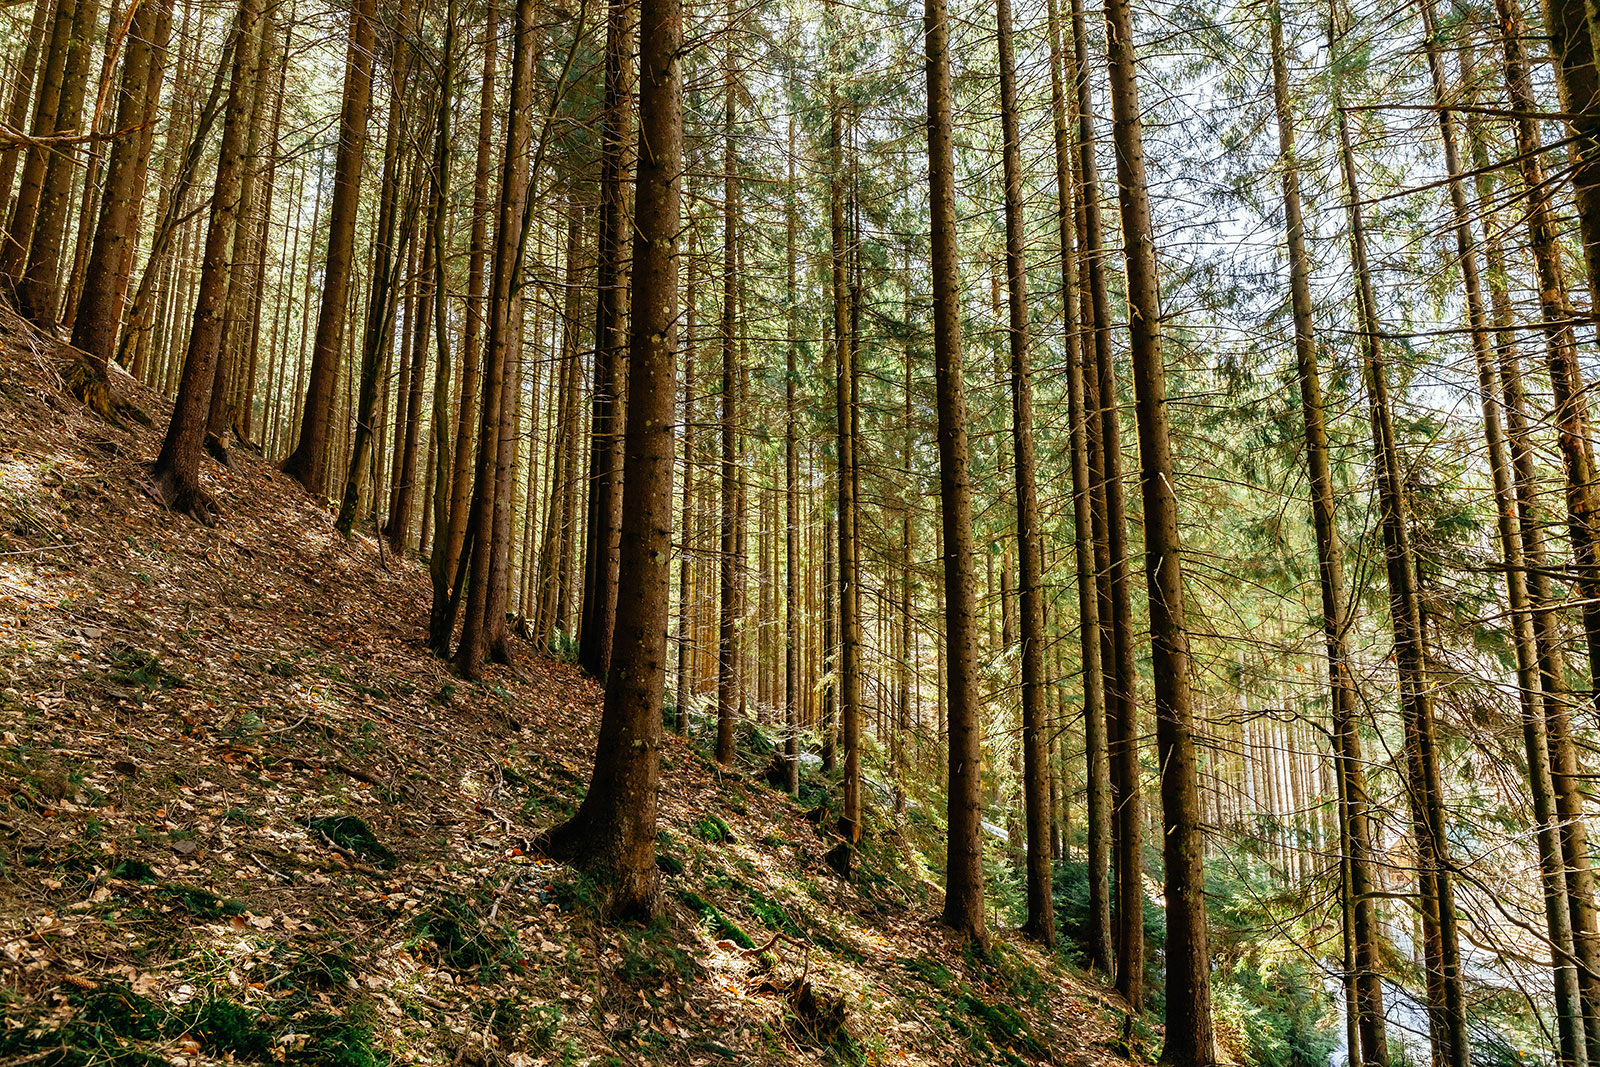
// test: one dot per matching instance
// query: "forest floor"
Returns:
(246, 817)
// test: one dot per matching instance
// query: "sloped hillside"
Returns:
(244, 817)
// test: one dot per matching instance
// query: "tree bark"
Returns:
(175, 478)
(964, 900)
(615, 827)
(308, 463)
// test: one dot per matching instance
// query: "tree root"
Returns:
(177, 495)
(89, 382)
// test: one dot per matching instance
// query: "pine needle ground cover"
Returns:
(245, 817)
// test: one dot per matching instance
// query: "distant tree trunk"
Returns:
(100, 309)
(1573, 26)
(615, 827)
(1111, 557)
(609, 400)
(1446, 1003)
(175, 477)
(308, 463)
(730, 600)
(687, 646)
(1190, 1041)
(440, 566)
(441, 624)
(474, 644)
(383, 295)
(1365, 979)
(1570, 1023)
(1096, 769)
(39, 290)
(563, 431)
(36, 160)
(1041, 923)
(21, 96)
(963, 901)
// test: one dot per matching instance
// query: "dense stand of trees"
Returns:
(826, 412)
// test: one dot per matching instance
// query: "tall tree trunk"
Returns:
(1363, 977)
(963, 900)
(848, 668)
(175, 478)
(791, 476)
(1096, 768)
(1446, 1004)
(99, 313)
(513, 205)
(615, 827)
(308, 463)
(441, 624)
(609, 400)
(1041, 921)
(440, 565)
(1190, 1039)
(1111, 560)
(730, 598)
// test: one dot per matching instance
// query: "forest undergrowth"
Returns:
(246, 817)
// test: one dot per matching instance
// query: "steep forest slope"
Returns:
(245, 817)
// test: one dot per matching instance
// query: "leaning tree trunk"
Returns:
(175, 478)
(1446, 1002)
(1570, 1022)
(308, 463)
(614, 829)
(99, 313)
(1364, 978)
(963, 900)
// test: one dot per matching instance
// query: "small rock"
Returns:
(125, 767)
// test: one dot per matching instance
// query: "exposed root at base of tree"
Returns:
(176, 494)
(90, 383)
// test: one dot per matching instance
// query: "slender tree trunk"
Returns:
(175, 477)
(475, 633)
(308, 463)
(963, 902)
(1190, 1040)
(609, 401)
(1363, 976)
(1111, 562)
(730, 599)
(1447, 1009)
(1096, 769)
(22, 96)
(1040, 923)
(441, 625)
